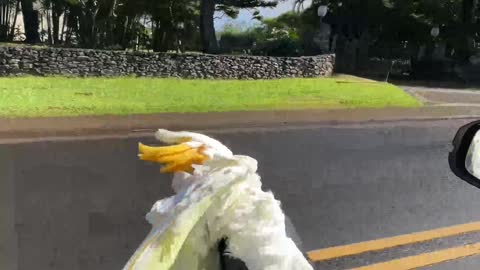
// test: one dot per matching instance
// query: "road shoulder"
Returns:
(117, 125)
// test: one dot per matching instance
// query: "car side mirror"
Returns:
(464, 159)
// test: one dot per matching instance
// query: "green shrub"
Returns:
(230, 42)
(279, 47)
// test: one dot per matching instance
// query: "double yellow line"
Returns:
(406, 263)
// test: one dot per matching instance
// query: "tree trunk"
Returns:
(207, 27)
(64, 24)
(469, 19)
(163, 35)
(30, 21)
(56, 24)
(4, 21)
(87, 25)
(469, 10)
(157, 36)
(12, 30)
(49, 27)
(93, 34)
(42, 33)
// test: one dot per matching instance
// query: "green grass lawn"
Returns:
(59, 96)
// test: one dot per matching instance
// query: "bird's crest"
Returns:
(185, 150)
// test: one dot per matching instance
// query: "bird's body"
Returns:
(220, 199)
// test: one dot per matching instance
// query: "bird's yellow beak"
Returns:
(177, 158)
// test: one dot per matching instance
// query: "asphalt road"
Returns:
(80, 204)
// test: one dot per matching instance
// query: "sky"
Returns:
(245, 17)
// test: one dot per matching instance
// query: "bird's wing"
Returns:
(255, 227)
(163, 245)
(173, 234)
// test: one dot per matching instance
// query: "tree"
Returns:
(207, 27)
(30, 21)
(470, 26)
(87, 16)
(470, 8)
(92, 21)
(396, 24)
(58, 8)
(230, 8)
(8, 19)
(170, 19)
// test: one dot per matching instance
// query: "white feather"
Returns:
(216, 148)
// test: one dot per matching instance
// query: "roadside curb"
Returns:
(136, 124)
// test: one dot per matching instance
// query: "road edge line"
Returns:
(391, 242)
(426, 259)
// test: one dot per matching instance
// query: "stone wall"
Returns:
(77, 62)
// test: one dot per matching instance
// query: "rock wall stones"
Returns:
(16, 61)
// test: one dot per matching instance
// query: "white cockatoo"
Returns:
(218, 196)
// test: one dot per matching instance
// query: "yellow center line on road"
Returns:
(390, 242)
(426, 259)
